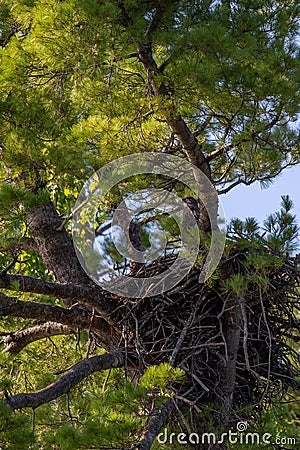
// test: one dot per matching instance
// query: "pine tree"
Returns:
(83, 83)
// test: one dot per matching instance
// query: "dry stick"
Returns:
(192, 347)
(270, 341)
(75, 317)
(68, 406)
(138, 345)
(204, 387)
(245, 340)
(181, 338)
(182, 418)
(75, 210)
(188, 402)
(106, 381)
(89, 334)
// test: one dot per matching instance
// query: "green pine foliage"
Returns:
(63, 110)
(265, 247)
(107, 408)
(74, 96)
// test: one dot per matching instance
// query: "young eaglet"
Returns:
(193, 205)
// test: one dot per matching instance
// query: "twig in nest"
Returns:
(188, 402)
(182, 337)
(204, 387)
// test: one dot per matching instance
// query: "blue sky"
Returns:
(254, 201)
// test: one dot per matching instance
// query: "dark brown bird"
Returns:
(191, 202)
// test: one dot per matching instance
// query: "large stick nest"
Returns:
(187, 327)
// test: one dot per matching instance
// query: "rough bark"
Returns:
(154, 426)
(88, 295)
(75, 317)
(232, 332)
(175, 121)
(55, 246)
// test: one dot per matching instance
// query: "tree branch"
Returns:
(15, 342)
(185, 136)
(234, 184)
(157, 17)
(220, 151)
(154, 426)
(91, 296)
(63, 385)
(74, 317)
(55, 246)
(177, 124)
(232, 325)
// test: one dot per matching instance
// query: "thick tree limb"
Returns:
(64, 384)
(174, 120)
(15, 342)
(232, 332)
(74, 317)
(154, 426)
(91, 296)
(57, 251)
(157, 17)
(177, 124)
(55, 246)
(186, 137)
